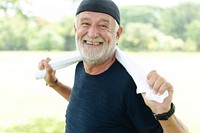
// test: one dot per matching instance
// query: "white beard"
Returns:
(98, 54)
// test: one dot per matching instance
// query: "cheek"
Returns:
(80, 33)
(110, 38)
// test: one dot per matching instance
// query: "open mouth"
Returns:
(93, 42)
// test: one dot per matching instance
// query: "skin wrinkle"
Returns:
(98, 55)
(94, 41)
(116, 27)
(101, 34)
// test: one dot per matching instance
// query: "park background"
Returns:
(162, 37)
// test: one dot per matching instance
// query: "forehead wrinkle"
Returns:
(107, 19)
(101, 20)
(104, 20)
(85, 19)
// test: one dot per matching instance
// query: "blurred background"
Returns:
(161, 35)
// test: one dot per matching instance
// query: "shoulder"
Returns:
(122, 75)
(79, 65)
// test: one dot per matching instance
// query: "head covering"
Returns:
(101, 6)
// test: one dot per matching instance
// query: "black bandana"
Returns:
(101, 6)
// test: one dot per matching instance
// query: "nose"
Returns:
(93, 32)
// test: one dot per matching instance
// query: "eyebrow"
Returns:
(84, 19)
(101, 20)
(104, 20)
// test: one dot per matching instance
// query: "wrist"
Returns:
(53, 83)
(166, 115)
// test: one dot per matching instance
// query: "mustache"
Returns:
(98, 40)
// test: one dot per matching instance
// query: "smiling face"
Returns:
(96, 36)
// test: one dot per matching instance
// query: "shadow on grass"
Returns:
(39, 125)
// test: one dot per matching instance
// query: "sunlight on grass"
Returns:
(39, 125)
(23, 99)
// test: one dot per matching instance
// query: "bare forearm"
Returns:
(63, 90)
(173, 124)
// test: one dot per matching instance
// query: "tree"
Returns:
(140, 14)
(14, 33)
(174, 21)
(8, 4)
(138, 36)
(68, 33)
(47, 39)
(14, 6)
(193, 33)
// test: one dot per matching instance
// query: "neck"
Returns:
(100, 68)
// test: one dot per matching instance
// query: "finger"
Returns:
(46, 61)
(48, 67)
(152, 77)
(151, 73)
(166, 86)
(41, 65)
(158, 83)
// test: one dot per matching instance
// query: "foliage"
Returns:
(40, 125)
(46, 39)
(190, 45)
(140, 36)
(175, 20)
(140, 14)
(13, 7)
(193, 32)
(145, 28)
(13, 35)
(68, 33)
(8, 4)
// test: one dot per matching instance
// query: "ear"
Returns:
(74, 28)
(119, 32)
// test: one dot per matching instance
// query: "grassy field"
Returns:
(24, 99)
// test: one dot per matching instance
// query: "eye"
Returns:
(103, 26)
(85, 24)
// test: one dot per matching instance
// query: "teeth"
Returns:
(95, 43)
(89, 42)
(92, 43)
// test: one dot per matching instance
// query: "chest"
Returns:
(98, 102)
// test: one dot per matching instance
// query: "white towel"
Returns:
(61, 62)
(137, 72)
(139, 75)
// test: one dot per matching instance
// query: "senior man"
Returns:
(103, 98)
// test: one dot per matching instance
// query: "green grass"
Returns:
(24, 99)
(39, 125)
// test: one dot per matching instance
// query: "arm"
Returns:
(173, 124)
(52, 81)
(159, 85)
(62, 89)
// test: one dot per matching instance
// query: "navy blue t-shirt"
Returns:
(108, 103)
